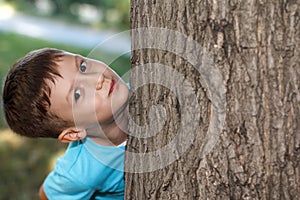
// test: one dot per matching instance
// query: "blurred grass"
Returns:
(25, 162)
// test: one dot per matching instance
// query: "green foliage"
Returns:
(113, 14)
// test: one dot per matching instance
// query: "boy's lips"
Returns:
(112, 86)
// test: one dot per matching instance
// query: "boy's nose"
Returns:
(100, 82)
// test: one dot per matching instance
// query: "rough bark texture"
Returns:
(256, 46)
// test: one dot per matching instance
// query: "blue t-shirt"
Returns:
(87, 171)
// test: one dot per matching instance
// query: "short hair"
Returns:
(26, 95)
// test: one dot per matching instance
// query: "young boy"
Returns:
(53, 93)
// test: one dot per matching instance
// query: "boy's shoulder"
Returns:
(107, 156)
(92, 164)
(88, 167)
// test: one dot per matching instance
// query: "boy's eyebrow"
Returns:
(76, 61)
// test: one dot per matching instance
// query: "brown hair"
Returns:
(26, 95)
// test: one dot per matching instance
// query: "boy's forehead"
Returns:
(68, 53)
(67, 57)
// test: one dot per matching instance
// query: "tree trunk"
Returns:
(215, 105)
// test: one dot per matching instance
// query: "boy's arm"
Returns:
(42, 194)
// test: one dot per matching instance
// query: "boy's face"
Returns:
(88, 92)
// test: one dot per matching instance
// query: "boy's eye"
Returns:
(77, 95)
(83, 67)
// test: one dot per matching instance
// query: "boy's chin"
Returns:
(122, 110)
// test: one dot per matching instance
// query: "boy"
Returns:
(53, 93)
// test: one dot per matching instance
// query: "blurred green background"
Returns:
(26, 162)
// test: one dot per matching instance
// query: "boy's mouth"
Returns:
(112, 86)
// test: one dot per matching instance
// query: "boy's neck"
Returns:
(110, 134)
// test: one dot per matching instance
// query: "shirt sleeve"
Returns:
(61, 185)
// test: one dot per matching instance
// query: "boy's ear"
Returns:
(72, 134)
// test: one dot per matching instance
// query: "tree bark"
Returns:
(243, 145)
